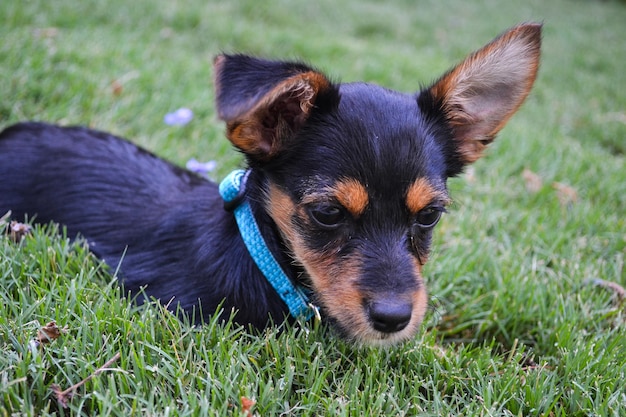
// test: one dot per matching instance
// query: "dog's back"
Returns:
(163, 225)
(87, 180)
(45, 167)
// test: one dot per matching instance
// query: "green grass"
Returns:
(513, 329)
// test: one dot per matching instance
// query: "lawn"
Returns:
(524, 317)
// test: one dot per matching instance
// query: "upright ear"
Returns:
(478, 96)
(265, 102)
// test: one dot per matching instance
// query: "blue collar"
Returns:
(232, 190)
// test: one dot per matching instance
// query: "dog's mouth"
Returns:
(384, 322)
(369, 336)
(365, 317)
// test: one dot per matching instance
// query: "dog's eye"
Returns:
(428, 217)
(328, 216)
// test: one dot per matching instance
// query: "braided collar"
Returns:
(232, 189)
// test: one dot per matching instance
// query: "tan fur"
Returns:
(421, 193)
(487, 88)
(295, 95)
(352, 195)
(281, 209)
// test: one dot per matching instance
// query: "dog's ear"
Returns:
(479, 95)
(265, 102)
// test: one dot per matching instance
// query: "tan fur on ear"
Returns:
(486, 89)
(261, 130)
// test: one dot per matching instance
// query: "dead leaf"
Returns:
(567, 195)
(246, 405)
(14, 229)
(532, 181)
(116, 87)
(50, 332)
(18, 230)
(617, 289)
(63, 396)
(46, 334)
(118, 83)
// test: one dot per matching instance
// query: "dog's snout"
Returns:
(390, 315)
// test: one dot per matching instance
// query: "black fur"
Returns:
(303, 136)
(168, 224)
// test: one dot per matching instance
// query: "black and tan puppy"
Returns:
(344, 185)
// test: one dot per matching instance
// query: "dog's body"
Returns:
(167, 224)
(346, 184)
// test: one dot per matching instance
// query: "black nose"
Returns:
(390, 315)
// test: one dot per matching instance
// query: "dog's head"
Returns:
(356, 174)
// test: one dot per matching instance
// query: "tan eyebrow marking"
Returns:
(421, 193)
(352, 195)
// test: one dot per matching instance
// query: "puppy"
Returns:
(333, 215)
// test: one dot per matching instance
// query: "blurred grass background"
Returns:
(514, 327)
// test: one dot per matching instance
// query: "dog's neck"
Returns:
(234, 192)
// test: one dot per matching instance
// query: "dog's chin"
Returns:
(378, 339)
(367, 336)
